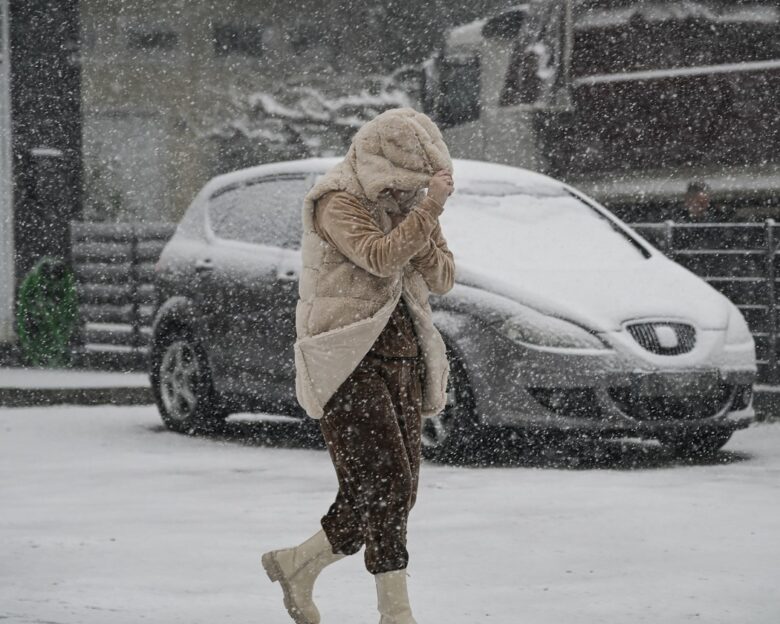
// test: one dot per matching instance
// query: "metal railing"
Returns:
(741, 261)
(114, 268)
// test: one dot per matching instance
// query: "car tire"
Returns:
(451, 435)
(698, 443)
(182, 385)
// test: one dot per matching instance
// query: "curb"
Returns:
(35, 397)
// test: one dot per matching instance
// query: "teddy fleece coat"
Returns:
(345, 302)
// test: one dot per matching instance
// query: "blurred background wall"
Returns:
(175, 92)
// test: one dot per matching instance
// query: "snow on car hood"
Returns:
(547, 249)
(604, 301)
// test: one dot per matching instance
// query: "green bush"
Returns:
(46, 313)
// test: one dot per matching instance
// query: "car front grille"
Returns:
(684, 407)
(664, 338)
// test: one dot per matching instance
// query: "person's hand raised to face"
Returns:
(441, 186)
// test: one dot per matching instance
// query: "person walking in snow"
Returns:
(370, 365)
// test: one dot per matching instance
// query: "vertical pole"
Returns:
(134, 277)
(7, 254)
(772, 300)
(80, 338)
(568, 47)
(668, 237)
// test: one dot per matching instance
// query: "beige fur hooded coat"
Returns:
(345, 302)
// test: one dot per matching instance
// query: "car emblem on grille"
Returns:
(667, 337)
(664, 338)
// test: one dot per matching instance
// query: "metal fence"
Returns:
(741, 261)
(114, 267)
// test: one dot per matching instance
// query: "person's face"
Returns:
(697, 204)
(402, 197)
(397, 201)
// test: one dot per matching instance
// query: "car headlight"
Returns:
(540, 331)
(737, 331)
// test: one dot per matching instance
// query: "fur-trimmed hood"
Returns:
(400, 149)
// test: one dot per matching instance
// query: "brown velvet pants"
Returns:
(372, 429)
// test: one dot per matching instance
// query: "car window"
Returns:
(266, 211)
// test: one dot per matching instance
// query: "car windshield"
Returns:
(543, 226)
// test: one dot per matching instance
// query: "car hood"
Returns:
(604, 299)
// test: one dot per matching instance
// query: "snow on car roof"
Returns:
(471, 177)
(466, 173)
(717, 12)
(304, 165)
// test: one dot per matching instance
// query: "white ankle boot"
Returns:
(392, 598)
(296, 569)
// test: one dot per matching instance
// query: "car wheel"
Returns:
(698, 443)
(182, 387)
(450, 435)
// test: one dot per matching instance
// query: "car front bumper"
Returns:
(619, 391)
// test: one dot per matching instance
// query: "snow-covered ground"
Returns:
(107, 518)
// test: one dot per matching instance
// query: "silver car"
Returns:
(562, 319)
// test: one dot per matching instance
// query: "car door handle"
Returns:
(204, 264)
(290, 275)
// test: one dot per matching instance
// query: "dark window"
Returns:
(244, 40)
(460, 90)
(152, 40)
(263, 212)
